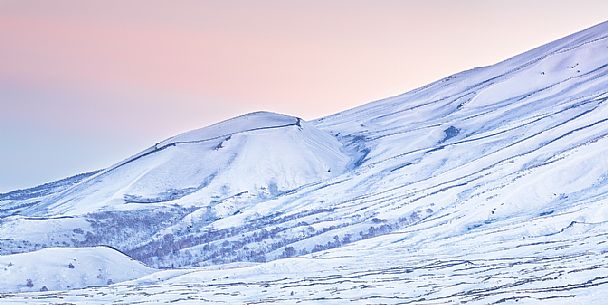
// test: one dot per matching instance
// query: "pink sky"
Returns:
(96, 81)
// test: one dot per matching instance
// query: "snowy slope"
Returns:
(67, 268)
(12, 203)
(488, 186)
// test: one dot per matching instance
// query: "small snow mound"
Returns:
(67, 268)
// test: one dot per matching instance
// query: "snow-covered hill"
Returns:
(488, 186)
(252, 157)
(67, 268)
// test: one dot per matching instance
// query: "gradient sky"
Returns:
(84, 84)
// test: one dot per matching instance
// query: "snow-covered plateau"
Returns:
(486, 187)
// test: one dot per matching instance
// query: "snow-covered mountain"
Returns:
(488, 186)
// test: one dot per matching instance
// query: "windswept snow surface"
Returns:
(486, 187)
